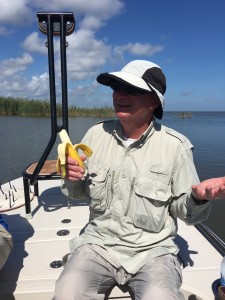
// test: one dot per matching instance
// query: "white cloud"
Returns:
(103, 9)
(14, 65)
(16, 12)
(34, 43)
(11, 81)
(90, 95)
(91, 22)
(23, 12)
(85, 55)
(138, 49)
(38, 87)
(20, 87)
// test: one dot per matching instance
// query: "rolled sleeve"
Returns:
(184, 176)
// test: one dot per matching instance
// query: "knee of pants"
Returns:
(159, 293)
(158, 280)
(70, 284)
(68, 289)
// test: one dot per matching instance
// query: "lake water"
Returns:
(23, 141)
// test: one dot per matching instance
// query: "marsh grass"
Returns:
(41, 108)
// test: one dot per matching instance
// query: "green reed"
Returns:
(41, 108)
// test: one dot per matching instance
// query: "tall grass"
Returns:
(41, 108)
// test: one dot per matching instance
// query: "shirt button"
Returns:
(128, 154)
(124, 176)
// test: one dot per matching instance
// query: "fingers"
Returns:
(202, 193)
(208, 192)
(222, 191)
(217, 192)
(198, 193)
(73, 171)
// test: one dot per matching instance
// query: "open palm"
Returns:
(210, 189)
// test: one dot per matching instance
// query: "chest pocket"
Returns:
(97, 186)
(150, 206)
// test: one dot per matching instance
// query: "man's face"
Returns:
(134, 107)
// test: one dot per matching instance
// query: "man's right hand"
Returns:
(73, 171)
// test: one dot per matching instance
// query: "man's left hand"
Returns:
(210, 189)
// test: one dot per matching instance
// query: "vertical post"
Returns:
(64, 73)
(27, 196)
(51, 66)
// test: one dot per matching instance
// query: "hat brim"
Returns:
(109, 78)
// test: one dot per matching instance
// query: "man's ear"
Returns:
(155, 101)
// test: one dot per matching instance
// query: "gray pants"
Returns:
(91, 272)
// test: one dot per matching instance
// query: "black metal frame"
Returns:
(213, 239)
(51, 24)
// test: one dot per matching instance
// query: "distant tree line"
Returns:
(41, 108)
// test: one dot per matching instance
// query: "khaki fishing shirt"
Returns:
(137, 192)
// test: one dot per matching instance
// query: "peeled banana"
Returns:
(67, 148)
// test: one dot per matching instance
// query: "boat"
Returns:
(41, 239)
(184, 114)
(42, 220)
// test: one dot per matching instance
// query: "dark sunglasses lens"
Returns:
(128, 89)
(134, 91)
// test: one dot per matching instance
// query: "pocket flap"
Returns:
(98, 174)
(98, 177)
(152, 189)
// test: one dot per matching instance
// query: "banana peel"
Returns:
(67, 148)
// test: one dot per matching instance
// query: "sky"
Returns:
(185, 38)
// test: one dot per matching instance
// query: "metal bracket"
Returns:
(56, 22)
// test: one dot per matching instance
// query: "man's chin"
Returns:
(123, 114)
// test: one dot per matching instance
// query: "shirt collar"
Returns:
(118, 132)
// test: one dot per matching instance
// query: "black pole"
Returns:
(64, 73)
(51, 65)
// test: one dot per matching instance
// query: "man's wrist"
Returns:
(199, 201)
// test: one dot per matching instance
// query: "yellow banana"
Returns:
(67, 148)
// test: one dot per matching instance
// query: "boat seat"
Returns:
(47, 172)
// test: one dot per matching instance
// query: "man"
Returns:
(6, 243)
(140, 179)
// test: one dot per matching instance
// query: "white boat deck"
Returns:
(28, 275)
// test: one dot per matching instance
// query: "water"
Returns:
(23, 140)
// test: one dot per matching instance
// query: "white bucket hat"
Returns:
(142, 74)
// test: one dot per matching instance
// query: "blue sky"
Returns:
(186, 38)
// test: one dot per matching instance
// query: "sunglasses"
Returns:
(128, 89)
